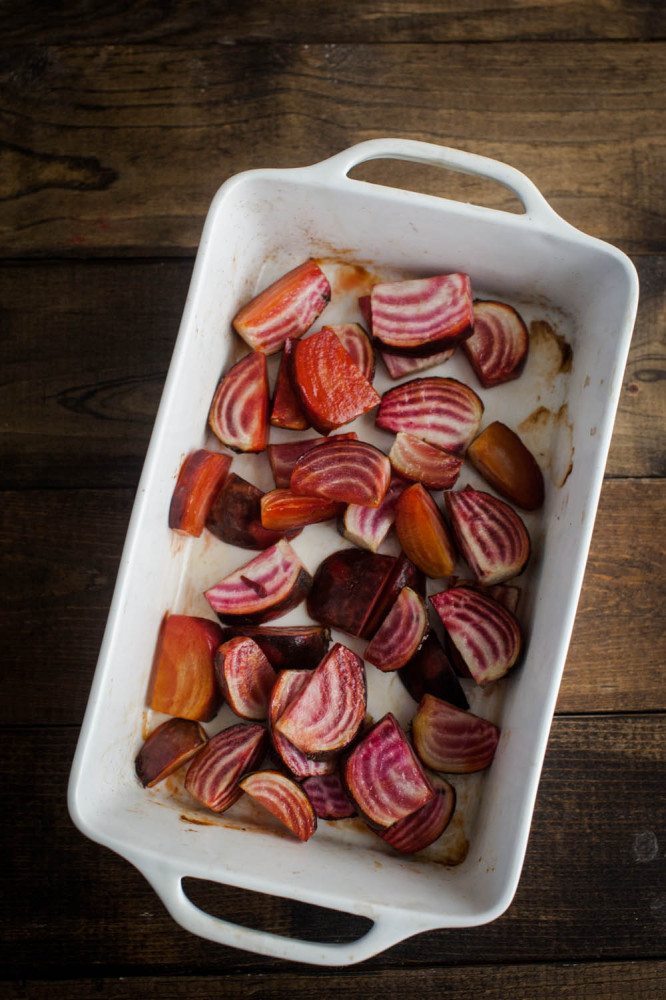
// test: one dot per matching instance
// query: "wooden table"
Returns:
(118, 122)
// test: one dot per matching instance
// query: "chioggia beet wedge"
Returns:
(423, 827)
(403, 574)
(286, 410)
(510, 468)
(239, 411)
(346, 587)
(199, 480)
(423, 534)
(245, 677)
(213, 776)
(283, 457)
(497, 350)
(328, 797)
(505, 594)
(442, 411)
(451, 740)
(282, 797)
(430, 672)
(287, 308)
(357, 344)
(328, 712)
(235, 516)
(331, 389)
(287, 687)
(400, 634)
(485, 636)
(282, 510)
(367, 527)
(490, 535)
(167, 748)
(384, 777)
(399, 365)
(286, 645)
(421, 462)
(422, 316)
(183, 681)
(268, 586)
(345, 472)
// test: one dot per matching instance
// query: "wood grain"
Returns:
(57, 590)
(86, 347)
(119, 149)
(200, 22)
(591, 890)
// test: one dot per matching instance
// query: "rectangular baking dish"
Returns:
(260, 223)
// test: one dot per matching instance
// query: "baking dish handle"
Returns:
(388, 929)
(535, 205)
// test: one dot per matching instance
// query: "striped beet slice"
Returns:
(491, 536)
(268, 586)
(282, 797)
(213, 776)
(505, 594)
(283, 457)
(422, 316)
(442, 411)
(326, 715)
(167, 748)
(328, 797)
(448, 739)
(286, 645)
(497, 350)
(367, 527)
(287, 686)
(426, 825)
(287, 308)
(415, 459)
(400, 634)
(347, 587)
(345, 471)
(399, 365)
(430, 672)
(285, 409)
(239, 411)
(384, 777)
(485, 636)
(357, 344)
(245, 677)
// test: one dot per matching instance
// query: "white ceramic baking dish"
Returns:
(260, 223)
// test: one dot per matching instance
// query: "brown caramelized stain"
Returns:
(552, 352)
(195, 819)
(349, 277)
(549, 436)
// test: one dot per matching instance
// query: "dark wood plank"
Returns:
(592, 887)
(118, 149)
(196, 22)
(57, 589)
(593, 981)
(86, 346)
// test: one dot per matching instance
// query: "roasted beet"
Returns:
(423, 534)
(239, 411)
(301, 646)
(423, 827)
(199, 480)
(286, 410)
(400, 634)
(491, 536)
(183, 681)
(268, 586)
(505, 594)
(367, 527)
(282, 510)
(345, 589)
(430, 672)
(357, 344)
(399, 365)
(331, 389)
(287, 687)
(403, 574)
(421, 462)
(282, 797)
(283, 457)
(328, 797)
(235, 516)
(422, 316)
(510, 468)
(287, 308)
(498, 348)
(384, 777)
(345, 472)
(167, 748)
(327, 713)
(451, 740)
(441, 411)
(485, 635)
(245, 677)
(213, 776)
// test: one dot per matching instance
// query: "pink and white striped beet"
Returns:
(505, 594)
(497, 350)
(245, 676)
(328, 797)
(490, 534)
(239, 412)
(485, 636)
(268, 586)
(287, 687)
(399, 365)
(422, 316)
(442, 411)
(213, 776)
(282, 797)
(415, 459)
(357, 344)
(451, 740)
(345, 471)
(400, 634)
(283, 457)
(367, 527)
(423, 827)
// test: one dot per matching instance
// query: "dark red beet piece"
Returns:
(235, 516)
(345, 588)
(430, 672)
(299, 647)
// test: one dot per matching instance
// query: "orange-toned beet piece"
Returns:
(282, 510)
(510, 468)
(423, 534)
(239, 411)
(183, 682)
(201, 476)
(286, 410)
